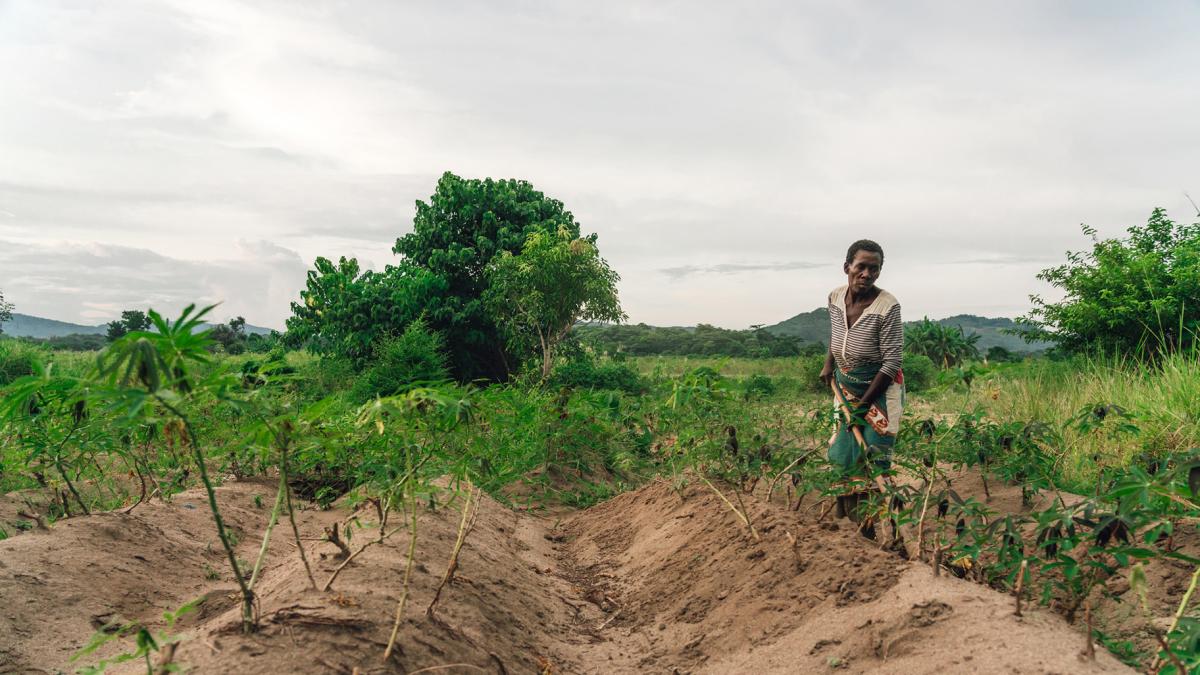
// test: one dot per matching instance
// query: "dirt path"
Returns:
(652, 581)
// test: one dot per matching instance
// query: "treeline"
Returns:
(229, 338)
(703, 340)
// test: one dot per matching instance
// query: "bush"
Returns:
(998, 354)
(1127, 296)
(256, 373)
(75, 342)
(919, 372)
(758, 386)
(17, 359)
(416, 355)
(810, 373)
(585, 373)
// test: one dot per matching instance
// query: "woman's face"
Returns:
(862, 271)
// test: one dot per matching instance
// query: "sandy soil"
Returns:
(654, 580)
(1119, 614)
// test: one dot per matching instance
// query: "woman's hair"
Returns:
(863, 245)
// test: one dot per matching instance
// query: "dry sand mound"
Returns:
(652, 581)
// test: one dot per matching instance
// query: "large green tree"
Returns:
(131, 320)
(345, 310)
(456, 234)
(6, 309)
(557, 280)
(1136, 295)
(231, 336)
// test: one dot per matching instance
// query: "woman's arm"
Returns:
(878, 385)
(891, 348)
(827, 369)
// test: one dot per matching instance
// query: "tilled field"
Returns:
(655, 580)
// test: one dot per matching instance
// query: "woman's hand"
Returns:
(827, 371)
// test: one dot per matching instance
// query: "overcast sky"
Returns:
(158, 153)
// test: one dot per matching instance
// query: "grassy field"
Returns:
(1161, 403)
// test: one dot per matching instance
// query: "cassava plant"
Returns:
(160, 369)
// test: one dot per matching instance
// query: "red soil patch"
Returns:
(652, 581)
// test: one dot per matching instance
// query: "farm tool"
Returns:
(882, 486)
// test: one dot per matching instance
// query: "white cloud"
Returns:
(698, 137)
(95, 282)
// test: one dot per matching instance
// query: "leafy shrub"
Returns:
(75, 342)
(810, 373)
(416, 355)
(702, 340)
(585, 373)
(919, 372)
(256, 373)
(758, 386)
(321, 376)
(998, 354)
(17, 359)
(1126, 296)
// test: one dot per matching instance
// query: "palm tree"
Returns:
(944, 345)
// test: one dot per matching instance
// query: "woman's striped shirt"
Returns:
(877, 336)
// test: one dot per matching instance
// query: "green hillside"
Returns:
(24, 325)
(814, 326)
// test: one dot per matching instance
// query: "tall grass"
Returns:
(729, 366)
(1162, 401)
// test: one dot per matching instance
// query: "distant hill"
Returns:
(814, 326)
(810, 326)
(24, 325)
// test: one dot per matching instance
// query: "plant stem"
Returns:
(1187, 596)
(412, 550)
(1020, 582)
(1179, 667)
(1090, 647)
(925, 505)
(71, 486)
(280, 497)
(352, 556)
(771, 485)
(247, 594)
(62, 472)
(733, 508)
(283, 477)
(463, 529)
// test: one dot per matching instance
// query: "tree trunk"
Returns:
(547, 360)
(547, 349)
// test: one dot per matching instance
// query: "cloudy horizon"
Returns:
(163, 153)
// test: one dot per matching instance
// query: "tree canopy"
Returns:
(345, 310)
(456, 234)
(558, 279)
(6, 309)
(1139, 294)
(703, 340)
(946, 346)
(131, 320)
(442, 278)
(231, 336)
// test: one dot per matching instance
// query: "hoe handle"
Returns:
(845, 409)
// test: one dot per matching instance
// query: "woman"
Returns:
(866, 343)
